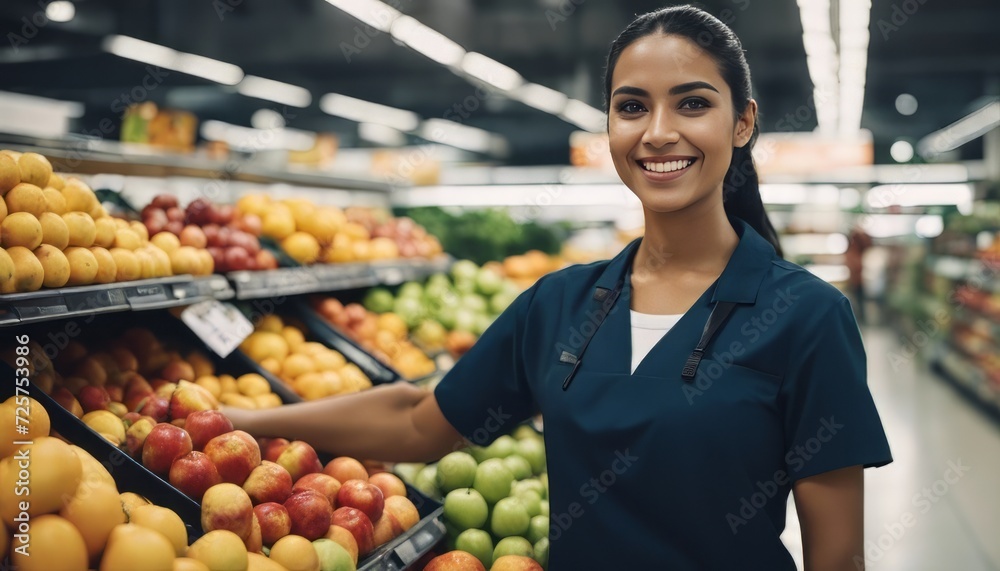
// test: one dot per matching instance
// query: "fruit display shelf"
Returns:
(959, 370)
(140, 295)
(982, 272)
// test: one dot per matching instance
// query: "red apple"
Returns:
(66, 400)
(299, 458)
(190, 398)
(136, 389)
(164, 201)
(268, 482)
(93, 398)
(345, 468)
(223, 214)
(175, 227)
(227, 506)
(211, 235)
(311, 514)
(326, 485)
(205, 425)
(237, 258)
(175, 214)
(136, 435)
(235, 454)
(177, 371)
(356, 522)
(272, 448)
(275, 522)
(115, 392)
(390, 484)
(363, 496)
(156, 407)
(455, 561)
(130, 418)
(193, 474)
(164, 444)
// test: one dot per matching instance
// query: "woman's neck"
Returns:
(693, 240)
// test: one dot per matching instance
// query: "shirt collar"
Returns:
(740, 280)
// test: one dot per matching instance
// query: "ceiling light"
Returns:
(381, 135)
(541, 97)
(267, 119)
(372, 12)
(960, 132)
(60, 11)
(491, 71)
(457, 135)
(584, 116)
(162, 56)
(277, 91)
(208, 68)
(368, 112)
(428, 42)
(906, 104)
(901, 151)
(929, 226)
(885, 196)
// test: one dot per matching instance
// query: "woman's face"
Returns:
(671, 123)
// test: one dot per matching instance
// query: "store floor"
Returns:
(915, 519)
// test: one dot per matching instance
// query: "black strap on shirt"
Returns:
(607, 299)
(718, 316)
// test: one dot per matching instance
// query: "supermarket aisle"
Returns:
(916, 519)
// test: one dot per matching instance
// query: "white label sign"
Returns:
(220, 325)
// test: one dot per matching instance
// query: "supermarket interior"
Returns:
(241, 204)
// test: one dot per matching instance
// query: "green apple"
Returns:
(411, 290)
(478, 452)
(465, 286)
(517, 466)
(488, 282)
(426, 481)
(333, 556)
(532, 501)
(472, 302)
(430, 333)
(465, 320)
(513, 546)
(407, 471)
(533, 484)
(493, 480)
(483, 323)
(465, 508)
(446, 315)
(503, 447)
(502, 300)
(525, 431)
(533, 450)
(464, 270)
(379, 300)
(538, 528)
(544, 508)
(478, 543)
(542, 552)
(544, 479)
(456, 470)
(411, 309)
(510, 517)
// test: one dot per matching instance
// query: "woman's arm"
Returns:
(831, 514)
(394, 423)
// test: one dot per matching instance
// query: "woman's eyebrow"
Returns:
(675, 90)
(629, 90)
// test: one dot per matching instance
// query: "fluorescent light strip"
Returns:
(541, 98)
(381, 135)
(427, 41)
(162, 56)
(367, 112)
(491, 72)
(822, 61)
(457, 135)
(885, 196)
(854, 36)
(966, 129)
(372, 12)
(208, 68)
(277, 91)
(585, 116)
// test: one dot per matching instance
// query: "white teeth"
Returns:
(667, 167)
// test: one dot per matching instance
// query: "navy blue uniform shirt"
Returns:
(647, 470)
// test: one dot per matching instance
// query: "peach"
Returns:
(299, 458)
(455, 561)
(275, 522)
(268, 482)
(404, 511)
(326, 485)
(363, 496)
(205, 425)
(311, 514)
(136, 435)
(356, 522)
(227, 507)
(345, 539)
(345, 468)
(295, 553)
(164, 444)
(235, 454)
(390, 484)
(193, 474)
(190, 398)
(273, 447)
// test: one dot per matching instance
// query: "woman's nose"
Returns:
(661, 129)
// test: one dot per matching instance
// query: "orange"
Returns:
(188, 564)
(220, 550)
(133, 547)
(55, 544)
(296, 553)
(36, 420)
(94, 473)
(95, 510)
(296, 365)
(260, 562)
(130, 501)
(54, 472)
(252, 384)
(165, 521)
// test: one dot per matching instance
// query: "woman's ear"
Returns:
(744, 125)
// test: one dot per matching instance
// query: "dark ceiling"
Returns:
(946, 54)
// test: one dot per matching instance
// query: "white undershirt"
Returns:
(647, 330)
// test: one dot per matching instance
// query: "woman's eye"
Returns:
(630, 107)
(694, 103)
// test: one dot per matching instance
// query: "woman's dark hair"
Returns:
(740, 189)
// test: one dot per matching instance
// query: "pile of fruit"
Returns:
(311, 369)
(449, 311)
(54, 232)
(310, 233)
(386, 337)
(525, 269)
(231, 239)
(495, 498)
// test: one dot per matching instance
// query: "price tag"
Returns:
(220, 325)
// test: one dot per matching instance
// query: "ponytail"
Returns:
(741, 193)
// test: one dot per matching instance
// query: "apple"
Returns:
(345, 468)
(163, 388)
(517, 465)
(390, 484)
(177, 371)
(137, 388)
(465, 508)
(268, 482)
(345, 539)
(426, 481)
(502, 447)
(275, 522)
(271, 448)
(205, 425)
(509, 517)
(193, 474)
(456, 470)
(164, 201)
(156, 407)
(131, 418)
(311, 514)
(362, 495)
(255, 543)
(299, 458)
(531, 500)
(512, 546)
(164, 444)
(532, 484)
(333, 556)
(403, 510)
(542, 552)
(116, 393)
(356, 522)
(190, 398)
(478, 543)
(326, 485)
(235, 454)
(515, 563)
(455, 561)
(493, 480)
(93, 398)
(135, 435)
(532, 450)
(237, 258)
(227, 507)
(538, 528)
